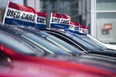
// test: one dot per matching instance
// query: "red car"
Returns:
(28, 69)
(19, 65)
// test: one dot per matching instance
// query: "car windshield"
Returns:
(43, 43)
(91, 42)
(61, 43)
(96, 41)
(79, 39)
(15, 44)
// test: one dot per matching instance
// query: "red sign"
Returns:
(108, 26)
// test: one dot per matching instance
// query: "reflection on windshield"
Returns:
(15, 44)
(80, 41)
(87, 42)
(61, 43)
(92, 42)
(96, 41)
(57, 41)
(43, 43)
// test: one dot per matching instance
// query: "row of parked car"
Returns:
(30, 52)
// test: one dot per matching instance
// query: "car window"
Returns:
(60, 41)
(61, 35)
(43, 43)
(91, 42)
(66, 39)
(96, 41)
(87, 45)
(17, 35)
(69, 47)
(15, 44)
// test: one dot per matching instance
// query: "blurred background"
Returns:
(98, 15)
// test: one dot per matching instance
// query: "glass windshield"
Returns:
(96, 41)
(61, 43)
(15, 44)
(43, 43)
(91, 42)
(80, 40)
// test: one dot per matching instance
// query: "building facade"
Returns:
(103, 20)
(69, 7)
